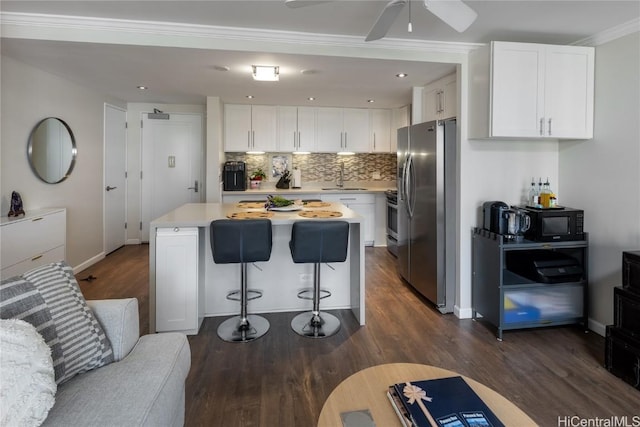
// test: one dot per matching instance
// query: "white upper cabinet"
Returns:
(531, 91)
(380, 130)
(342, 129)
(249, 128)
(296, 129)
(439, 99)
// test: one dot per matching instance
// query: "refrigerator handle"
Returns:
(403, 186)
(409, 186)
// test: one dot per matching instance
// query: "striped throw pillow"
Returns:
(84, 343)
(20, 299)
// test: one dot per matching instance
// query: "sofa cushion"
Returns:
(27, 382)
(84, 343)
(146, 388)
(20, 299)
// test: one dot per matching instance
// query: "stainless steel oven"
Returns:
(392, 221)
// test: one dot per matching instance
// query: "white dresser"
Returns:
(32, 240)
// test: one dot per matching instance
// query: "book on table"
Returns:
(442, 402)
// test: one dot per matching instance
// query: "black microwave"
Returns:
(555, 224)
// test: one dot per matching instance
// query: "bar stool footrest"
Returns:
(256, 294)
(323, 294)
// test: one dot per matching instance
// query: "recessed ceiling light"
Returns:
(401, 75)
(311, 98)
(142, 87)
(221, 68)
(250, 96)
(307, 72)
(370, 101)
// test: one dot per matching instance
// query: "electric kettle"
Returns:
(516, 222)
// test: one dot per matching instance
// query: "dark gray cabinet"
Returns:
(525, 284)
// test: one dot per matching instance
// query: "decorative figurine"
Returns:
(16, 204)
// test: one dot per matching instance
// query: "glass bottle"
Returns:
(533, 194)
(545, 194)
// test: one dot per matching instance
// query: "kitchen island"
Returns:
(185, 285)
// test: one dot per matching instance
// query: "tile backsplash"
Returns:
(325, 166)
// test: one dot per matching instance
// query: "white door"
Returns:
(115, 167)
(172, 156)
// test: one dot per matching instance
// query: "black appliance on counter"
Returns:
(234, 176)
(555, 224)
(622, 345)
(493, 217)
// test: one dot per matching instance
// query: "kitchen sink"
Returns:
(345, 188)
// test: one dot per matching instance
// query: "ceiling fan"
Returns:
(454, 13)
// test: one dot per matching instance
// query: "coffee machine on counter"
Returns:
(234, 176)
(510, 222)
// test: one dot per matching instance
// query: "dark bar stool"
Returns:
(242, 242)
(318, 241)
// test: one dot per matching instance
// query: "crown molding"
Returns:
(60, 27)
(611, 34)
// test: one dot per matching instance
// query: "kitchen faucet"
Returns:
(340, 180)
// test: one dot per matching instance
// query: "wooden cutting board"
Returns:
(320, 214)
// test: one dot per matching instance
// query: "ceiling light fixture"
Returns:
(266, 73)
(311, 98)
(142, 87)
(249, 96)
(401, 75)
(371, 101)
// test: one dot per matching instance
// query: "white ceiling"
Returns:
(187, 76)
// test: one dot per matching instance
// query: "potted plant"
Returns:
(256, 178)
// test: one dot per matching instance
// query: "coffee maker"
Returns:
(234, 176)
(493, 217)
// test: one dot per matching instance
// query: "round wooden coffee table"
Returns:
(367, 389)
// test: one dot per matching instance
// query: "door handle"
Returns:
(195, 187)
(110, 188)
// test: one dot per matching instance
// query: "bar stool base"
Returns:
(231, 330)
(302, 325)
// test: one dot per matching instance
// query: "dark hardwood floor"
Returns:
(283, 379)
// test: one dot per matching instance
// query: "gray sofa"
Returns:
(144, 386)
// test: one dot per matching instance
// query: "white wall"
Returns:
(602, 175)
(496, 170)
(134, 159)
(29, 95)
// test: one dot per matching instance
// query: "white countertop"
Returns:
(201, 215)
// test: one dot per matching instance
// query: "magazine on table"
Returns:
(443, 402)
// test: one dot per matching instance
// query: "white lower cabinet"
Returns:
(362, 204)
(179, 299)
(32, 240)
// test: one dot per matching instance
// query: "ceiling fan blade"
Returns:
(302, 3)
(386, 18)
(454, 13)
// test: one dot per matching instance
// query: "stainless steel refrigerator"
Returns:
(427, 209)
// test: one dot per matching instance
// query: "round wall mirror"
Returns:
(52, 150)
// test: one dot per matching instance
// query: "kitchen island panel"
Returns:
(280, 278)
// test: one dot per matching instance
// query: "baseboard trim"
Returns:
(88, 263)
(462, 313)
(597, 327)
